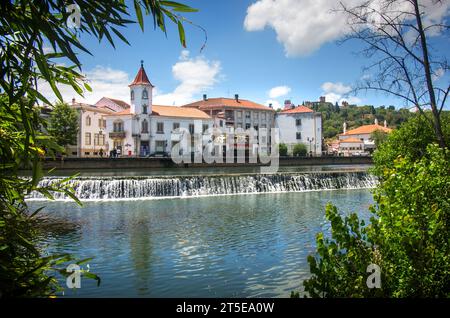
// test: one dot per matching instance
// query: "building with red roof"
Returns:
(300, 125)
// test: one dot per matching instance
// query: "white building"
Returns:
(300, 124)
(141, 128)
(91, 139)
(359, 140)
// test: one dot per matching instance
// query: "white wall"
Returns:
(311, 127)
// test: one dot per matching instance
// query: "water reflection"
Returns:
(233, 246)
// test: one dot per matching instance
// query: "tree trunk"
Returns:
(427, 68)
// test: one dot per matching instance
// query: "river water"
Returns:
(248, 245)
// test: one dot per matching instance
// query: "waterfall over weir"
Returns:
(108, 188)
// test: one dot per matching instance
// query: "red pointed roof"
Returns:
(141, 77)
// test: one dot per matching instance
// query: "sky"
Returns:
(264, 50)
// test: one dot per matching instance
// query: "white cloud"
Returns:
(279, 91)
(334, 92)
(303, 26)
(104, 81)
(352, 100)
(437, 74)
(337, 88)
(275, 104)
(195, 75)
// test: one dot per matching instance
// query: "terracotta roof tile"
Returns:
(298, 109)
(170, 111)
(174, 111)
(352, 140)
(366, 129)
(141, 78)
(211, 103)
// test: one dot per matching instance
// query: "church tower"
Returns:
(141, 93)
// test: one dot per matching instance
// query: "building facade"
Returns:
(300, 124)
(92, 137)
(141, 128)
(359, 141)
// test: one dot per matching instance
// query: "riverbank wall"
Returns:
(145, 163)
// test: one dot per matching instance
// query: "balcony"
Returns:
(117, 135)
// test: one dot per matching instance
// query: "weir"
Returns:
(109, 188)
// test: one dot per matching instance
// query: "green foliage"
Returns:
(379, 136)
(27, 29)
(410, 141)
(408, 236)
(283, 149)
(334, 117)
(300, 150)
(64, 124)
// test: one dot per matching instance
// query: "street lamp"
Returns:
(310, 141)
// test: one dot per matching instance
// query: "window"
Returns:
(247, 115)
(263, 116)
(88, 120)
(96, 137)
(101, 123)
(239, 125)
(101, 140)
(205, 127)
(144, 94)
(255, 127)
(299, 136)
(239, 114)
(87, 138)
(221, 123)
(87, 153)
(191, 128)
(263, 126)
(144, 127)
(160, 145)
(160, 128)
(118, 126)
(144, 109)
(132, 95)
(247, 126)
(255, 116)
(298, 122)
(176, 126)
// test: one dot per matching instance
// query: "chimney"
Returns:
(287, 104)
(385, 124)
(376, 121)
(236, 97)
(73, 101)
(270, 105)
(345, 127)
(205, 97)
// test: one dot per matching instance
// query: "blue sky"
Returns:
(249, 52)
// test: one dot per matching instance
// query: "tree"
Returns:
(283, 150)
(27, 28)
(300, 150)
(64, 124)
(378, 136)
(397, 43)
(408, 237)
(410, 141)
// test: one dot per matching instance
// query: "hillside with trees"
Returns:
(334, 116)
